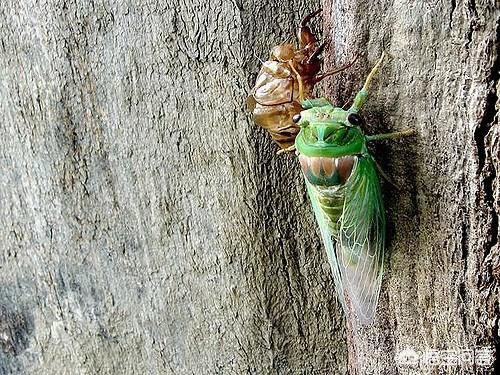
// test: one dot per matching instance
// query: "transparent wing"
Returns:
(361, 240)
(355, 238)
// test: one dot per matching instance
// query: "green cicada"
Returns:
(343, 185)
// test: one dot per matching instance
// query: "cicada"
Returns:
(343, 186)
(285, 81)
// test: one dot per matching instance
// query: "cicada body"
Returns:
(343, 186)
(284, 81)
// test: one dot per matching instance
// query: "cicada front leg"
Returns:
(300, 81)
(305, 35)
(321, 76)
(284, 150)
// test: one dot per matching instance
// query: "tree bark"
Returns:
(147, 226)
(440, 289)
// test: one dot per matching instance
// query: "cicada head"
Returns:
(328, 143)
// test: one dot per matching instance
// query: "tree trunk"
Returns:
(148, 227)
(440, 289)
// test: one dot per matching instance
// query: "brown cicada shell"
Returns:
(284, 81)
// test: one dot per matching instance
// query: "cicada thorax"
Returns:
(328, 177)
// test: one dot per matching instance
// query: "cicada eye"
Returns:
(296, 118)
(354, 119)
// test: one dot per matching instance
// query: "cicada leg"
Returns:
(317, 52)
(288, 149)
(299, 80)
(328, 73)
(306, 36)
(385, 176)
(307, 18)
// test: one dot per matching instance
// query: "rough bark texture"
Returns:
(440, 289)
(147, 227)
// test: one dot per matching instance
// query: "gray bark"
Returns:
(147, 226)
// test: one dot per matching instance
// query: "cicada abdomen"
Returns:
(284, 82)
(343, 185)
